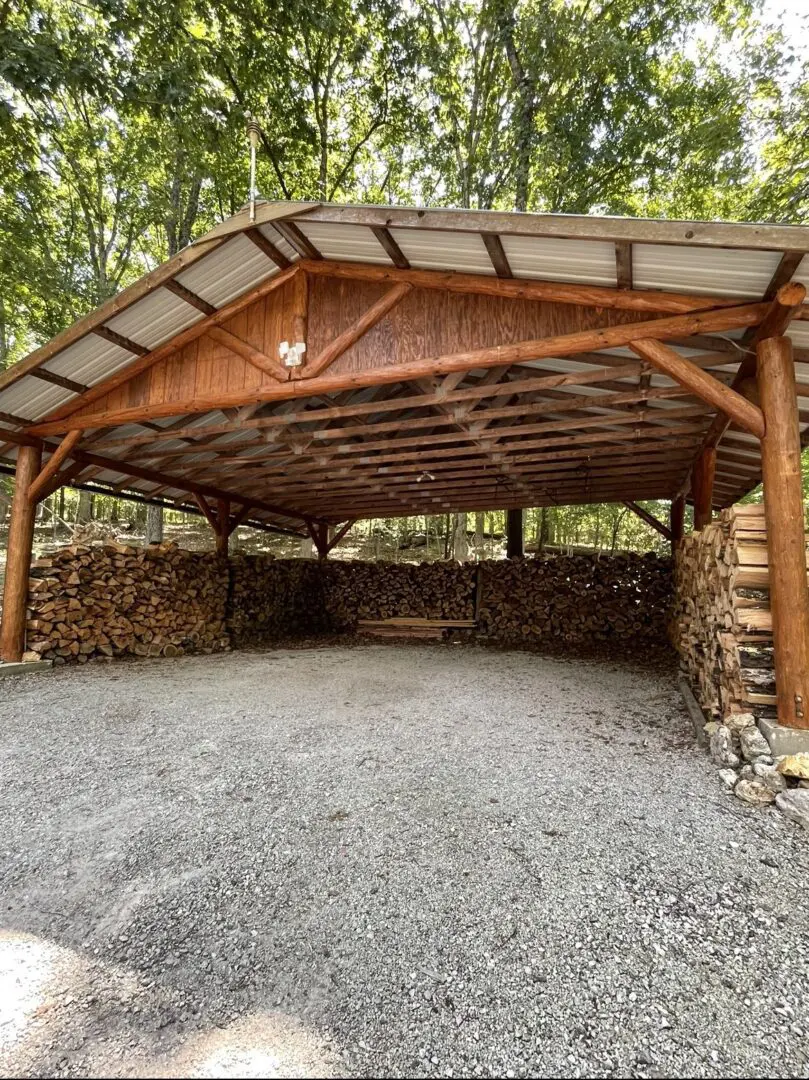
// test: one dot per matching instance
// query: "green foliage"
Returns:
(122, 124)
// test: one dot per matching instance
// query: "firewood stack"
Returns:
(113, 599)
(275, 598)
(380, 590)
(576, 598)
(722, 624)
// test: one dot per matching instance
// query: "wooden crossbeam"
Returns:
(248, 352)
(493, 356)
(650, 519)
(703, 385)
(54, 463)
(392, 249)
(644, 300)
(343, 342)
(564, 404)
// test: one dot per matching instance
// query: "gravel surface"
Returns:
(387, 861)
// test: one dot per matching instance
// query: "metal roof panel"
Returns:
(234, 268)
(350, 243)
(719, 271)
(587, 261)
(155, 319)
(464, 252)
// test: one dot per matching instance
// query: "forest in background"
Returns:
(122, 138)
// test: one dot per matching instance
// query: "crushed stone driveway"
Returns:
(387, 861)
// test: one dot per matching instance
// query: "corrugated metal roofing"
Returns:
(350, 243)
(589, 262)
(236, 267)
(464, 252)
(703, 270)
(688, 257)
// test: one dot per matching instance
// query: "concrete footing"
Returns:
(25, 667)
(784, 740)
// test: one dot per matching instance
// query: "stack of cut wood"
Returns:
(722, 623)
(112, 599)
(275, 598)
(576, 598)
(376, 591)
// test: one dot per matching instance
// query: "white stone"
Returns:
(753, 743)
(737, 722)
(770, 776)
(794, 804)
(722, 747)
(728, 778)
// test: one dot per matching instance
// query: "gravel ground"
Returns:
(387, 861)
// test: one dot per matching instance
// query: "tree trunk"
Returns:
(480, 528)
(84, 512)
(460, 547)
(154, 524)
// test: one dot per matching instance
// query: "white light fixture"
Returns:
(292, 355)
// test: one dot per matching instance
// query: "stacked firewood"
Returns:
(722, 624)
(112, 599)
(275, 598)
(575, 599)
(379, 590)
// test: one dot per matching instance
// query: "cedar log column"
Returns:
(677, 521)
(702, 487)
(18, 560)
(514, 533)
(786, 541)
(222, 534)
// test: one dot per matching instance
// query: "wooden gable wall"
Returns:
(427, 323)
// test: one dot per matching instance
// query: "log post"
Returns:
(18, 561)
(702, 487)
(677, 521)
(786, 540)
(514, 533)
(223, 532)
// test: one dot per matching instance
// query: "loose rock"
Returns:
(794, 804)
(770, 776)
(754, 792)
(722, 747)
(728, 778)
(796, 765)
(753, 743)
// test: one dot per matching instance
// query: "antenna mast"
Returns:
(253, 134)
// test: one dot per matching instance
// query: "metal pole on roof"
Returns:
(253, 134)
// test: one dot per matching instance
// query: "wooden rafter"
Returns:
(392, 249)
(146, 361)
(268, 248)
(646, 300)
(497, 254)
(623, 264)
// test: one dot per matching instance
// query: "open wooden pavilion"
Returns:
(316, 364)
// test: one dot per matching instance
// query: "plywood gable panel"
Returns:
(427, 322)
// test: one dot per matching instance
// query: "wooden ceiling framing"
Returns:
(421, 390)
